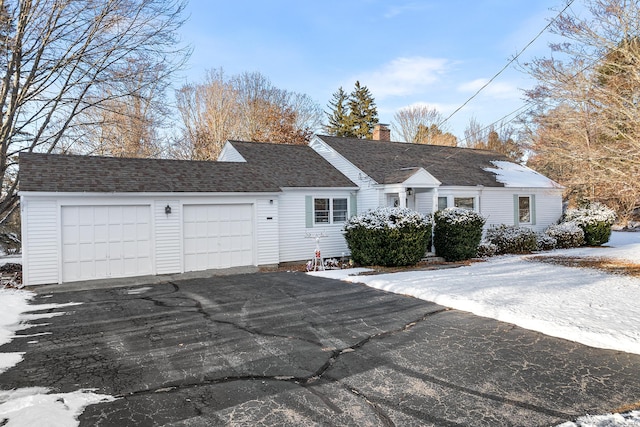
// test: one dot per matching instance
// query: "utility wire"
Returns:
(507, 65)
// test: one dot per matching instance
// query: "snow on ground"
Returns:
(31, 406)
(578, 304)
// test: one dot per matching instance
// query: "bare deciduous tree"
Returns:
(501, 138)
(245, 107)
(585, 130)
(408, 121)
(63, 57)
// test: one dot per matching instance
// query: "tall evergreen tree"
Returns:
(352, 115)
(363, 114)
(339, 115)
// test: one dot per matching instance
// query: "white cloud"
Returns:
(394, 11)
(498, 90)
(404, 76)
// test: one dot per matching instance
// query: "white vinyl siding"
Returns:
(297, 231)
(499, 206)
(40, 241)
(168, 244)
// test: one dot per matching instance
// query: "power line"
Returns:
(508, 63)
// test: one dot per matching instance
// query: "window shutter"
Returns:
(533, 209)
(353, 205)
(308, 211)
(516, 210)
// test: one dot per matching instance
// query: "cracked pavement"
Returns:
(291, 349)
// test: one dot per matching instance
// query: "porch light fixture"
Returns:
(167, 209)
(409, 191)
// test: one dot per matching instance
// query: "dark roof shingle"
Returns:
(291, 165)
(71, 173)
(391, 162)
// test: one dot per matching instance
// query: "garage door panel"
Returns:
(96, 240)
(213, 233)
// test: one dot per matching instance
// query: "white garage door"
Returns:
(218, 236)
(105, 241)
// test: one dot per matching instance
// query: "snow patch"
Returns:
(31, 406)
(515, 175)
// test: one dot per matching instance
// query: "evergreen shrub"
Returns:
(545, 242)
(457, 233)
(567, 235)
(512, 240)
(486, 250)
(595, 219)
(388, 237)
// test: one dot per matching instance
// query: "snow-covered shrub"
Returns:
(567, 234)
(388, 237)
(595, 219)
(511, 239)
(545, 242)
(486, 250)
(457, 233)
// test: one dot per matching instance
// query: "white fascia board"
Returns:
(325, 150)
(307, 189)
(60, 194)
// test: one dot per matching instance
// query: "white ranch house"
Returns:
(261, 204)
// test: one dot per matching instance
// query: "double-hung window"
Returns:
(524, 210)
(329, 210)
(464, 203)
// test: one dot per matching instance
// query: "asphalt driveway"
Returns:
(291, 349)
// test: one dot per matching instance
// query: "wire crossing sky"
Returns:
(440, 53)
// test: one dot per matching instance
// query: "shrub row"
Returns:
(400, 236)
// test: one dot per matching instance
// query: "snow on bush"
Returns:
(595, 219)
(510, 239)
(545, 242)
(387, 218)
(486, 250)
(457, 233)
(567, 234)
(388, 237)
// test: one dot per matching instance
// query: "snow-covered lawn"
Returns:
(588, 306)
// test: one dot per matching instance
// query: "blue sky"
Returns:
(435, 52)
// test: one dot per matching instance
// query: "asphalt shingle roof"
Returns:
(291, 165)
(393, 162)
(70, 173)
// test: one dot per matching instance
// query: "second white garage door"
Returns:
(218, 236)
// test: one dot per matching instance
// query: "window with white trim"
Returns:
(330, 211)
(442, 203)
(524, 209)
(464, 202)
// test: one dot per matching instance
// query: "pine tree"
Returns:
(363, 114)
(352, 115)
(339, 115)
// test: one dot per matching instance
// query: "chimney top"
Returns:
(381, 132)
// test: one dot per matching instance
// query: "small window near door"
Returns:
(464, 203)
(524, 209)
(442, 203)
(339, 210)
(321, 211)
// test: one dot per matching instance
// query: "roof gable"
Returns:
(421, 178)
(385, 161)
(291, 165)
(70, 173)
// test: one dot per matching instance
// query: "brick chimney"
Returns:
(381, 132)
